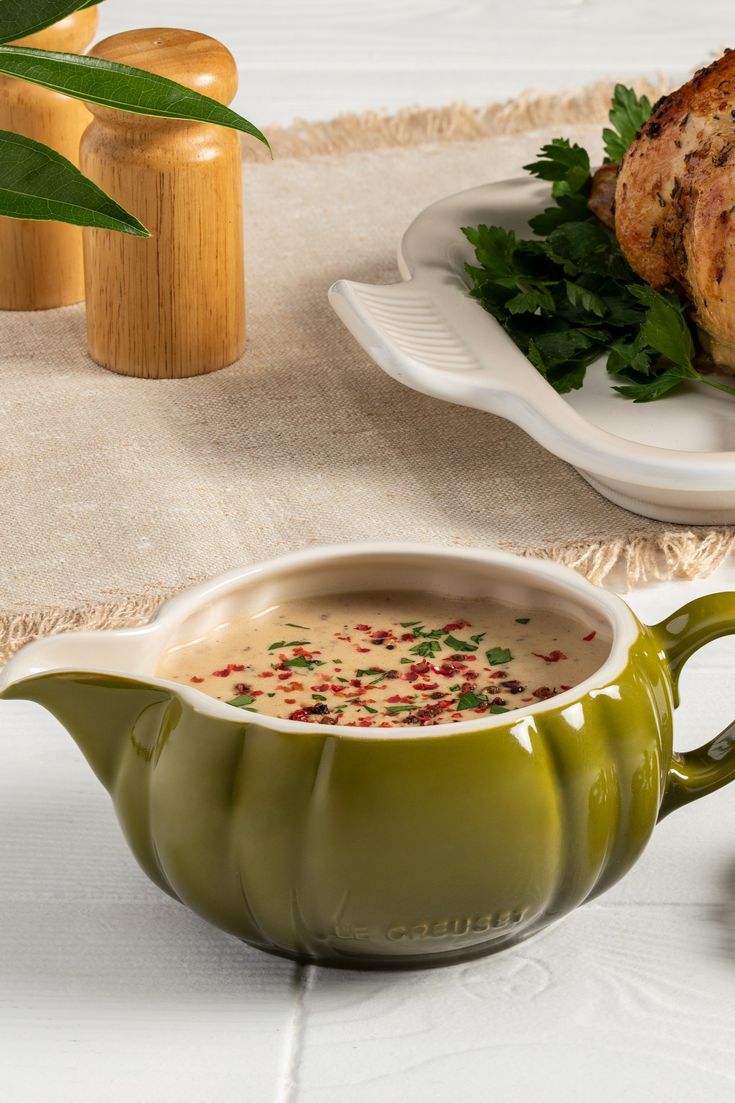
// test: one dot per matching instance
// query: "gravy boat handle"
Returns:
(694, 774)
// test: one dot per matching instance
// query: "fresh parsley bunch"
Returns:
(568, 296)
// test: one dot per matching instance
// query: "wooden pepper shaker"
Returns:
(41, 263)
(172, 305)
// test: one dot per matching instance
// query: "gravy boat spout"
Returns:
(121, 723)
(84, 679)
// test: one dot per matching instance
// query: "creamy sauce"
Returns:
(388, 660)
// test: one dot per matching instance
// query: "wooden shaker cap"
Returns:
(71, 35)
(188, 57)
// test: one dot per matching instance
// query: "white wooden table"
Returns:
(322, 58)
(110, 991)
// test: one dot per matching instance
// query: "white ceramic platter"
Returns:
(673, 460)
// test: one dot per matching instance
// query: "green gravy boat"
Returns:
(383, 848)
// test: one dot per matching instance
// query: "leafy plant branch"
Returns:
(38, 183)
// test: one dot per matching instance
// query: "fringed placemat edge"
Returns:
(456, 122)
(661, 556)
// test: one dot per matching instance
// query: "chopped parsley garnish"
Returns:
(409, 623)
(497, 656)
(242, 701)
(459, 645)
(430, 634)
(478, 638)
(427, 649)
(368, 709)
(318, 697)
(471, 701)
(568, 296)
(496, 709)
(282, 643)
(367, 673)
(301, 626)
(302, 661)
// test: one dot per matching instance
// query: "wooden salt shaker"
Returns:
(172, 305)
(41, 263)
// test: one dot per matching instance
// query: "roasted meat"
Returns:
(675, 203)
(602, 196)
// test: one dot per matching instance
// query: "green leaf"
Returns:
(655, 387)
(587, 247)
(496, 709)
(562, 163)
(585, 299)
(498, 656)
(427, 649)
(459, 645)
(562, 345)
(241, 701)
(286, 643)
(567, 166)
(470, 700)
(569, 208)
(664, 333)
(301, 661)
(118, 86)
(494, 248)
(622, 310)
(19, 18)
(528, 302)
(665, 328)
(627, 115)
(630, 358)
(38, 183)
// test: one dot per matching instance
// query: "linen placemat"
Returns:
(117, 492)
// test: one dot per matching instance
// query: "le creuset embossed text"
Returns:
(394, 847)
